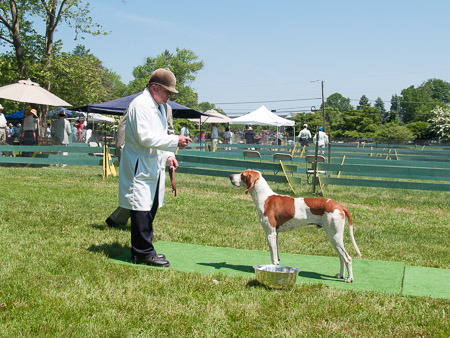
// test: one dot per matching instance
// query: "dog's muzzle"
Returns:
(235, 179)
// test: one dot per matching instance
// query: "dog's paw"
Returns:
(338, 275)
(349, 280)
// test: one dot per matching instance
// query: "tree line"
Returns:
(419, 113)
(80, 78)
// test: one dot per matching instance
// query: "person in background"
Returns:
(49, 130)
(11, 133)
(228, 137)
(184, 131)
(304, 136)
(143, 161)
(321, 139)
(30, 123)
(61, 130)
(79, 126)
(249, 136)
(3, 126)
(214, 135)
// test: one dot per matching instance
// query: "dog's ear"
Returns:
(250, 179)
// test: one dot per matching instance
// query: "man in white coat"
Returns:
(143, 161)
(321, 139)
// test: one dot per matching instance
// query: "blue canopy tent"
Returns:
(118, 107)
(15, 116)
(20, 114)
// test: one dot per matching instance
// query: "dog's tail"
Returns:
(350, 227)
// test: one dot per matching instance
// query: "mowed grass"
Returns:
(56, 279)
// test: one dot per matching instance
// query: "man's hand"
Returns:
(183, 141)
(173, 163)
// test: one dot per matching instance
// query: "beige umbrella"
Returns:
(215, 118)
(30, 92)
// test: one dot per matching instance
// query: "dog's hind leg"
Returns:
(337, 241)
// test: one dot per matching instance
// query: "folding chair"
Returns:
(282, 157)
(252, 154)
(310, 161)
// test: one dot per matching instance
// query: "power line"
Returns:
(316, 98)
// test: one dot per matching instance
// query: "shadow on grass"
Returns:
(224, 265)
(104, 226)
(319, 276)
(110, 250)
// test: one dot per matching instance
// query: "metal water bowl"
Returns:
(276, 276)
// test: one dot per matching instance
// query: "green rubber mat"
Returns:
(429, 282)
(369, 275)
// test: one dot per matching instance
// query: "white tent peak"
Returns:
(264, 117)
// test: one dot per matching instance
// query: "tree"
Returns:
(419, 129)
(379, 104)
(183, 64)
(440, 122)
(338, 102)
(33, 49)
(416, 104)
(363, 102)
(393, 133)
(359, 123)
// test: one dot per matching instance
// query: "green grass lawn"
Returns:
(56, 278)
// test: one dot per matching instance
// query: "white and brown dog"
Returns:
(279, 213)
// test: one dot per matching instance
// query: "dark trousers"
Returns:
(142, 230)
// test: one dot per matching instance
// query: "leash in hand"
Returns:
(172, 180)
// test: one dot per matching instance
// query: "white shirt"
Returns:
(2, 121)
(304, 133)
(322, 139)
(214, 133)
(184, 132)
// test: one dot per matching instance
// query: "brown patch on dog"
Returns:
(279, 209)
(249, 177)
(319, 206)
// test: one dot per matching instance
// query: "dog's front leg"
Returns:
(272, 240)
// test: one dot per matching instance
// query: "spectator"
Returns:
(184, 131)
(304, 136)
(11, 133)
(249, 136)
(61, 130)
(228, 137)
(214, 135)
(49, 131)
(30, 123)
(321, 139)
(3, 126)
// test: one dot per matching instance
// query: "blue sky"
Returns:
(260, 51)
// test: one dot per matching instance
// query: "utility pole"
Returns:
(323, 110)
(323, 106)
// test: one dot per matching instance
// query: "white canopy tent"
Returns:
(263, 117)
(95, 117)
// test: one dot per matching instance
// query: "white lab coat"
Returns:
(322, 139)
(144, 156)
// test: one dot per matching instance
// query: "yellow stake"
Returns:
(282, 167)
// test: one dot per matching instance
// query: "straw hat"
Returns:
(165, 78)
(31, 112)
(250, 128)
